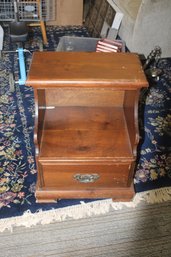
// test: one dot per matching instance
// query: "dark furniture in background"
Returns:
(99, 12)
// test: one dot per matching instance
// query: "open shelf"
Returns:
(85, 132)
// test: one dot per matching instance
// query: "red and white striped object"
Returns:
(106, 45)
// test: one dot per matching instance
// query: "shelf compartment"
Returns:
(85, 132)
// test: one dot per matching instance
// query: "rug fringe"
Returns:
(157, 195)
(83, 210)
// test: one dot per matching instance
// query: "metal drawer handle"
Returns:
(86, 178)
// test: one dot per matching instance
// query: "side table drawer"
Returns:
(82, 176)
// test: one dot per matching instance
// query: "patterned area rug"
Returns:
(17, 164)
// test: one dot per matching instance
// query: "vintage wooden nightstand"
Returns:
(86, 125)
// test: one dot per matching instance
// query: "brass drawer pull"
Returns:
(86, 178)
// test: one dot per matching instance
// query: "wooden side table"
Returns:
(86, 125)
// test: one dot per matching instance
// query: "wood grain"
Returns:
(63, 69)
(86, 121)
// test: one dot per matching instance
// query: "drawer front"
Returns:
(76, 176)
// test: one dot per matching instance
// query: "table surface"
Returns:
(49, 69)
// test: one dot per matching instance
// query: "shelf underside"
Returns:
(85, 133)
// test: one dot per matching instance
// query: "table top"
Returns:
(65, 69)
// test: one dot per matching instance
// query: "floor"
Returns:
(144, 231)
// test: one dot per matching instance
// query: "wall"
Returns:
(68, 12)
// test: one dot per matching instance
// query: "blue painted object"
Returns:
(22, 67)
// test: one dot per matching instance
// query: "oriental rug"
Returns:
(17, 162)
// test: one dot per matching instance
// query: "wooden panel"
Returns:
(131, 116)
(84, 97)
(116, 193)
(116, 70)
(41, 112)
(84, 118)
(63, 176)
